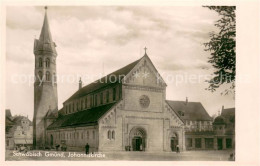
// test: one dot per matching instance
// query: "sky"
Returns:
(96, 40)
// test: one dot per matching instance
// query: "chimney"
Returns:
(186, 100)
(80, 83)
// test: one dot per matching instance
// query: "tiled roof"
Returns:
(228, 115)
(228, 112)
(17, 120)
(105, 81)
(81, 118)
(192, 110)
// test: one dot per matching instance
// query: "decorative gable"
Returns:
(145, 74)
(175, 120)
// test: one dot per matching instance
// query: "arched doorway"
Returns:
(51, 140)
(174, 142)
(138, 139)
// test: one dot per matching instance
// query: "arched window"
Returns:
(109, 134)
(107, 96)
(86, 102)
(114, 94)
(81, 104)
(40, 75)
(47, 62)
(40, 62)
(101, 98)
(47, 76)
(113, 134)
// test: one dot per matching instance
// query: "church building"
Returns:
(125, 110)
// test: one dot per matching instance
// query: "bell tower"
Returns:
(45, 86)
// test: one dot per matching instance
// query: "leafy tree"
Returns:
(222, 48)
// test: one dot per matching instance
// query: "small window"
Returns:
(47, 62)
(91, 101)
(113, 134)
(82, 105)
(95, 100)
(114, 94)
(101, 98)
(86, 102)
(40, 62)
(109, 134)
(47, 76)
(107, 97)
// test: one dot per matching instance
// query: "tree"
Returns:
(222, 48)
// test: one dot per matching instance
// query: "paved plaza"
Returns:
(133, 156)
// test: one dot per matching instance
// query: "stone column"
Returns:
(224, 143)
(215, 143)
(202, 143)
(193, 142)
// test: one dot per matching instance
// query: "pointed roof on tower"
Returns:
(45, 36)
(45, 42)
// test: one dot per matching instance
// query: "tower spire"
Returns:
(45, 36)
(45, 42)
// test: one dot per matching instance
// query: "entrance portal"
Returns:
(137, 144)
(137, 138)
(174, 143)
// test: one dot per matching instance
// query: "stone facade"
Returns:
(140, 119)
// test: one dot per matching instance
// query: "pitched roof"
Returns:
(228, 112)
(81, 118)
(192, 110)
(17, 120)
(228, 115)
(105, 81)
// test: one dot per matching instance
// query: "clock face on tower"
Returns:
(144, 101)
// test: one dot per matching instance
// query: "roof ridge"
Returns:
(103, 84)
(184, 101)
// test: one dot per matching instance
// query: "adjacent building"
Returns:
(18, 131)
(224, 129)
